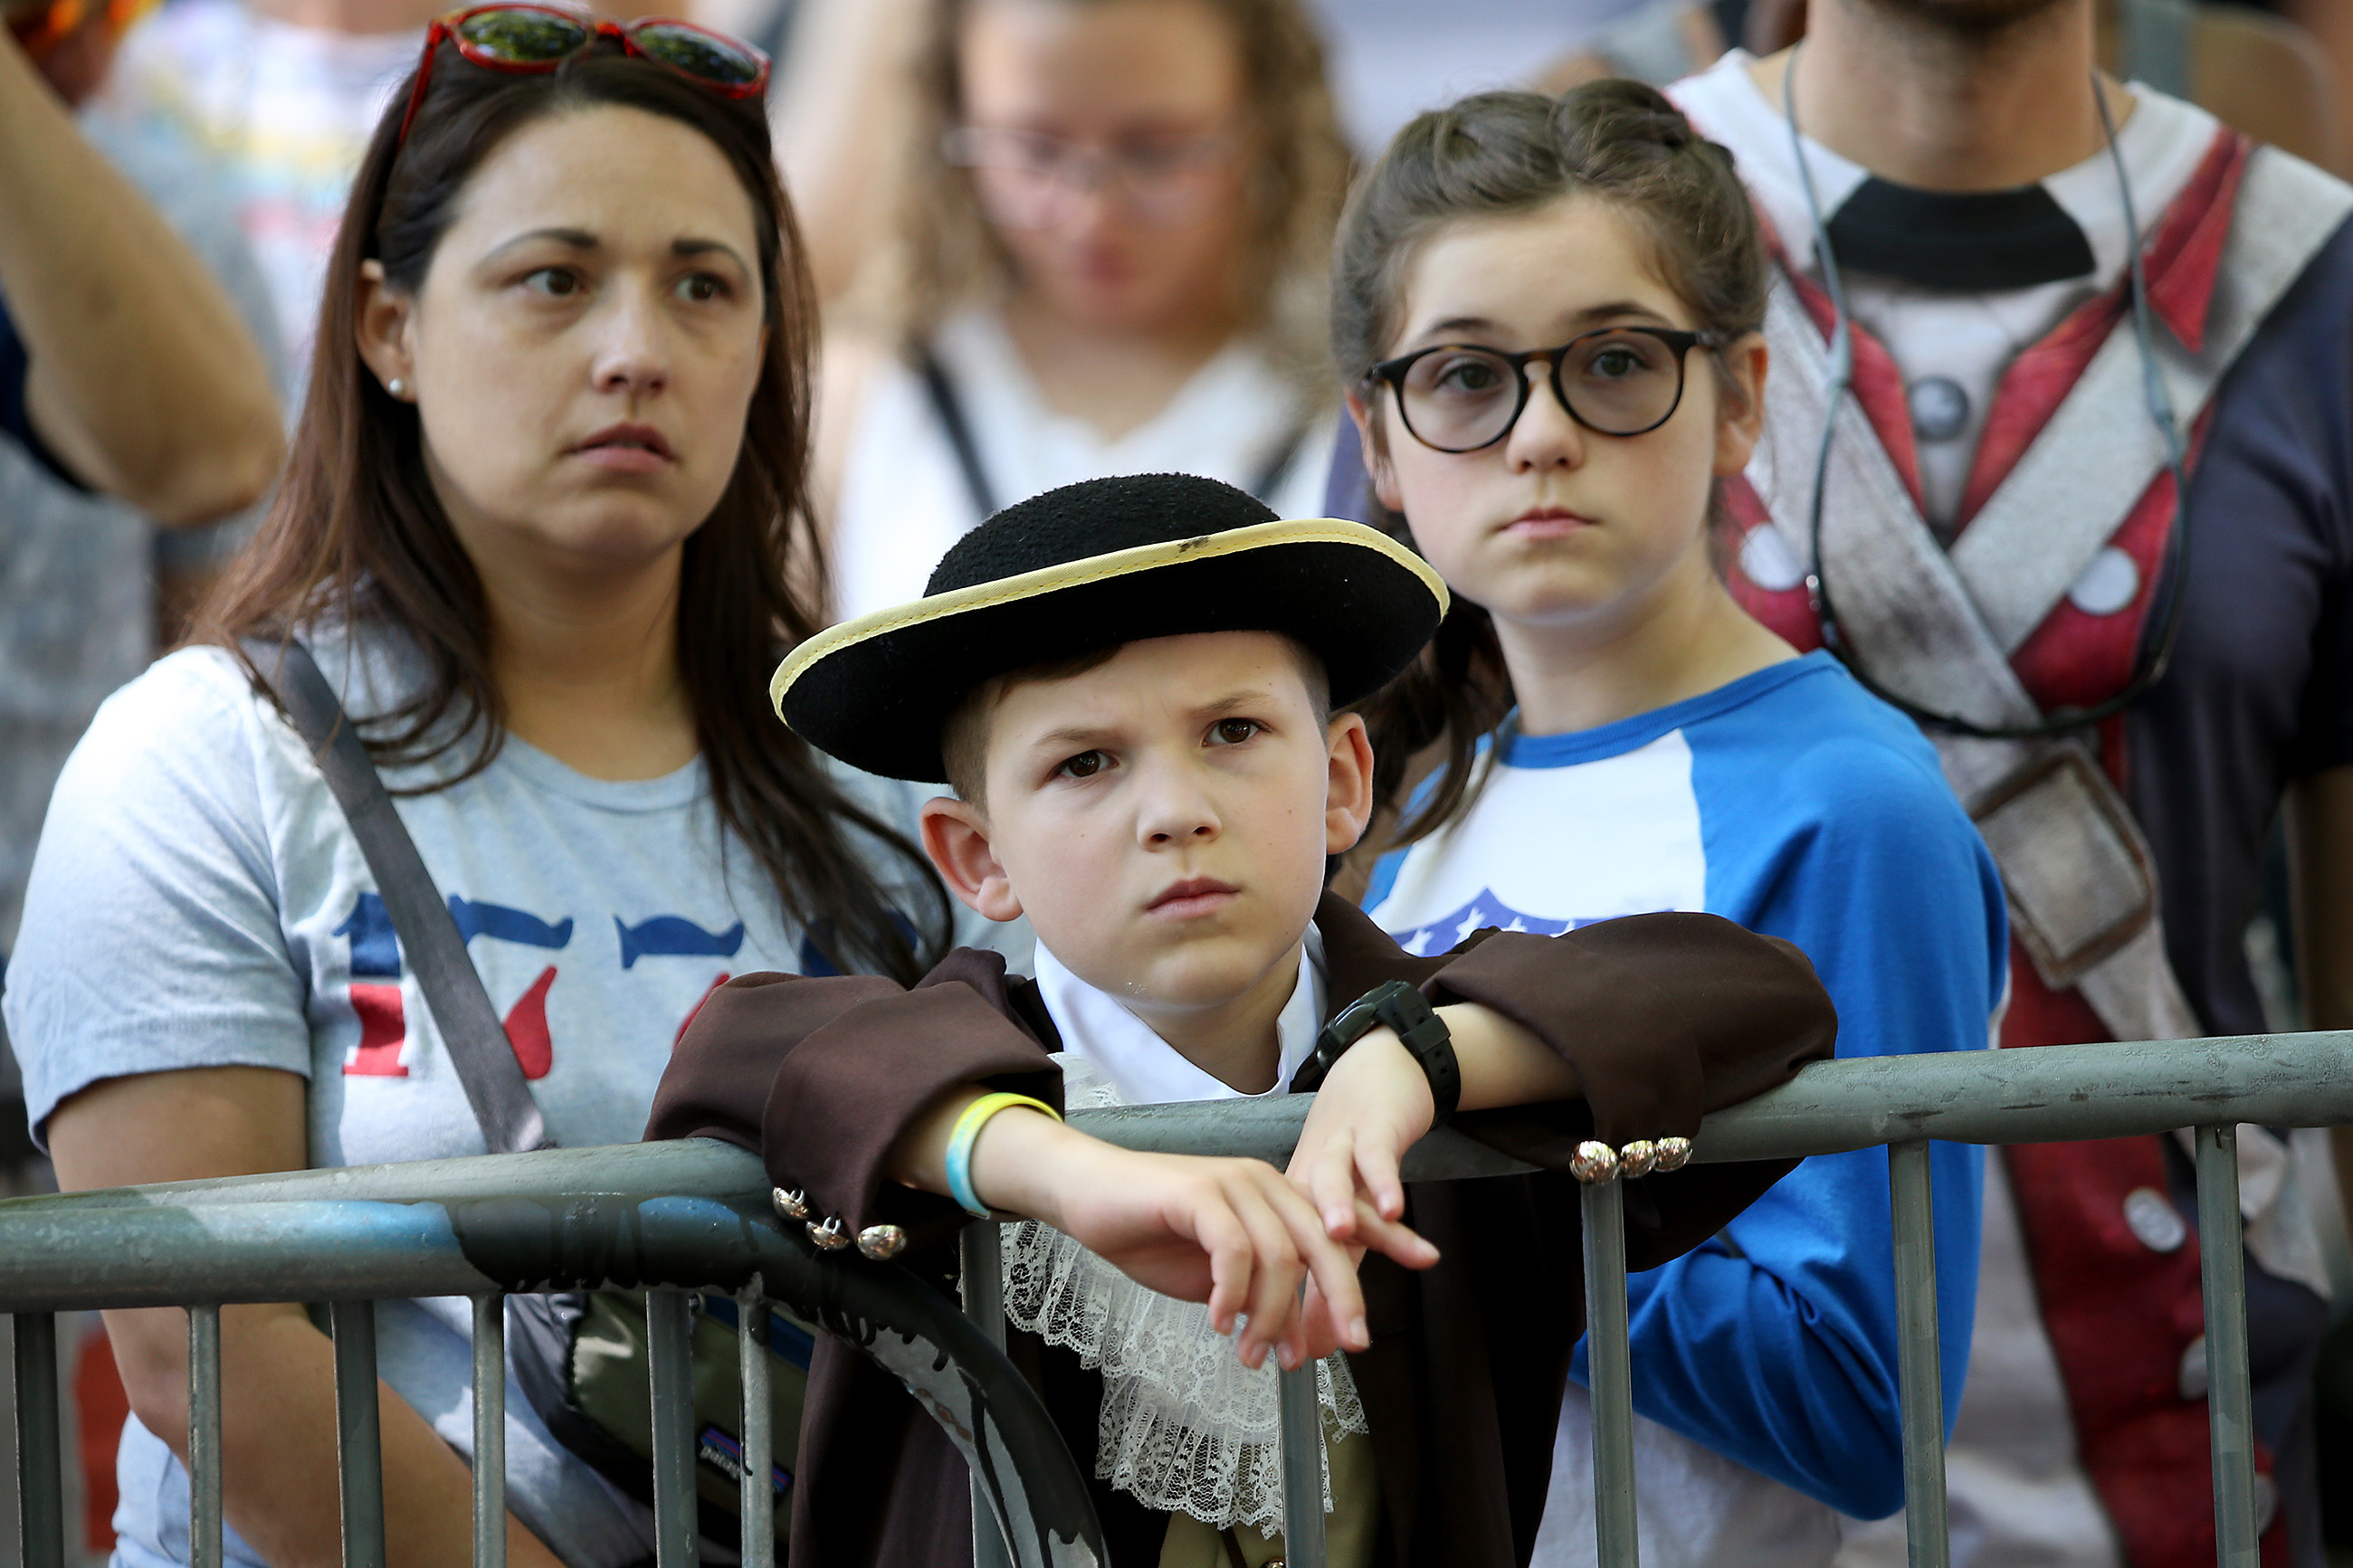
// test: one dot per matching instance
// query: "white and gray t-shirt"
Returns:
(199, 900)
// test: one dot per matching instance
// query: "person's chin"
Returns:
(1205, 968)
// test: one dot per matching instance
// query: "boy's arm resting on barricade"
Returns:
(849, 1088)
(1653, 1021)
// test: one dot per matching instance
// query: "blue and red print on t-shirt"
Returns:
(375, 967)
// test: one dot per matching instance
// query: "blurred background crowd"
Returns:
(1005, 310)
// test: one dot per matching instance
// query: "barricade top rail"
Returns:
(694, 1216)
(2049, 1094)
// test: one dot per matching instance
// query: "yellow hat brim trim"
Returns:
(1095, 569)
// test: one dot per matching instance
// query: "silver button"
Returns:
(2154, 1220)
(2193, 1369)
(2108, 585)
(1594, 1163)
(1767, 560)
(1940, 408)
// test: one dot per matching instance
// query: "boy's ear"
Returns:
(956, 836)
(1376, 455)
(1348, 800)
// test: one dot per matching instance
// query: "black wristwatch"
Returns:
(1425, 1035)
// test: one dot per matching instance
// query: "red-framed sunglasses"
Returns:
(532, 40)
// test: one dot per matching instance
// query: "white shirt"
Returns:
(1098, 1029)
(1969, 338)
(903, 498)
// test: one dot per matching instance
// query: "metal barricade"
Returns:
(677, 1218)
(674, 1219)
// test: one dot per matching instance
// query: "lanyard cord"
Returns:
(2173, 572)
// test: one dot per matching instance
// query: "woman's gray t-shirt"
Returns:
(197, 900)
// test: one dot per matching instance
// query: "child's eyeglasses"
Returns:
(532, 40)
(1027, 179)
(1619, 381)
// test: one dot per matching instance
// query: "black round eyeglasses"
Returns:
(1615, 381)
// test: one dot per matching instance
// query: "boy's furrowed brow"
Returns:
(1235, 702)
(1073, 738)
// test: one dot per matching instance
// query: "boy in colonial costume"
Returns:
(1131, 684)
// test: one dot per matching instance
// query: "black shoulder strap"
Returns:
(470, 1030)
(949, 410)
(947, 407)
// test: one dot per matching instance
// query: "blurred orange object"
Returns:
(42, 31)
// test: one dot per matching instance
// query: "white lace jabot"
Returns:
(1185, 1428)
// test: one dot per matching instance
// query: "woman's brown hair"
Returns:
(944, 251)
(1490, 155)
(357, 536)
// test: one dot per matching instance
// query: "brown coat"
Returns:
(1664, 1017)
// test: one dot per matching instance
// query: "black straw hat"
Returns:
(1093, 566)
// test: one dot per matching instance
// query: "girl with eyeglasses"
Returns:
(1546, 312)
(544, 533)
(1108, 258)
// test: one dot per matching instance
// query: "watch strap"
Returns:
(1406, 1011)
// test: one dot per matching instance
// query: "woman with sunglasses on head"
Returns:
(542, 533)
(1109, 260)
(1547, 312)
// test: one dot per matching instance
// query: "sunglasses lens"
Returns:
(522, 37)
(697, 53)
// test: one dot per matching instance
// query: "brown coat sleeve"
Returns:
(1664, 1017)
(820, 1077)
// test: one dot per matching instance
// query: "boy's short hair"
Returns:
(964, 738)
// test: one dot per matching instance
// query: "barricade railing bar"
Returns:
(682, 1218)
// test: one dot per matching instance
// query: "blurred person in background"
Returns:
(842, 99)
(1963, 177)
(2261, 73)
(136, 410)
(135, 397)
(281, 95)
(2272, 76)
(1109, 258)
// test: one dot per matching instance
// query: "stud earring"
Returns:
(396, 386)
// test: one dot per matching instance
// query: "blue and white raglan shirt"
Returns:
(1795, 805)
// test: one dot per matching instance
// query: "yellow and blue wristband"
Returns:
(967, 1133)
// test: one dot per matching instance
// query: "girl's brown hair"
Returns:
(1493, 154)
(357, 536)
(944, 251)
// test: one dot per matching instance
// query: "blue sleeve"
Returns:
(1775, 1344)
(16, 418)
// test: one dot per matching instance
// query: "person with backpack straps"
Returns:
(540, 542)
(1108, 258)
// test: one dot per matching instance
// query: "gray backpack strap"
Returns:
(471, 1031)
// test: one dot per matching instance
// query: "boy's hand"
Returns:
(1375, 1105)
(1233, 1233)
